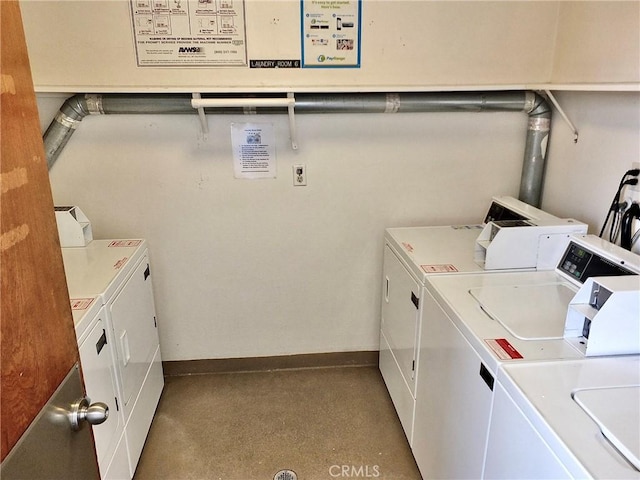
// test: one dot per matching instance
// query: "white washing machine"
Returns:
(98, 370)
(413, 254)
(117, 274)
(472, 324)
(566, 420)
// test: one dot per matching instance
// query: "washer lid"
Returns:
(616, 411)
(528, 312)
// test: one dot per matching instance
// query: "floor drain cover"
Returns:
(285, 475)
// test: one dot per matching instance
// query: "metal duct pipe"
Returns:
(412, 102)
(75, 108)
(535, 152)
(79, 106)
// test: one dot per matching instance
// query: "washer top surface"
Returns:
(100, 267)
(588, 411)
(430, 251)
(494, 342)
(438, 250)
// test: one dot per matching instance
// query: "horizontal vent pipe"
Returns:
(79, 106)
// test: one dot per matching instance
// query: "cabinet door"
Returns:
(135, 332)
(400, 313)
(453, 402)
(99, 379)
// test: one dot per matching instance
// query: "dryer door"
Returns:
(99, 379)
(133, 318)
(400, 314)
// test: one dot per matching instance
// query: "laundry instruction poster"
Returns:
(254, 150)
(199, 33)
(331, 33)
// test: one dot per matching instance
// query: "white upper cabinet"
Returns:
(89, 45)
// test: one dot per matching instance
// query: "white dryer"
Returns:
(118, 274)
(413, 254)
(98, 371)
(471, 325)
(566, 420)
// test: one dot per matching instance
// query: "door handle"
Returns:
(124, 347)
(81, 411)
(386, 289)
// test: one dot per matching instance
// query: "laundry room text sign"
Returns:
(199, 33)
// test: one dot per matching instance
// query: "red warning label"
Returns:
(120, 263)
(125, 243)
(503, 349)
(81, 303)
(408, 247)
(446, 268)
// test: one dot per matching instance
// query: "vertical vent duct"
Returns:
(79, 106)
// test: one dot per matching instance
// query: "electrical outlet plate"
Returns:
(299, 175)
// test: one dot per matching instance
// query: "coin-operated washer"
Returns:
(474, 324)
(566, 420)
(412, 254)
(578, 419)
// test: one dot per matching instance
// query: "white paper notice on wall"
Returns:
(254, 150)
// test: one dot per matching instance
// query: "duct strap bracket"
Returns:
(291, 104)
(204, 125)
(564, 115)
(248, 104)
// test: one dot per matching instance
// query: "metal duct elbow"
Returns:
(73, 110)
(537, 105)
(535, 153)
(77, 107)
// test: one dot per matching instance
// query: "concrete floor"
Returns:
(322, 423)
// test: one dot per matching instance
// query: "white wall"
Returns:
(582, 178)
(597, 42)
(259, 267)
